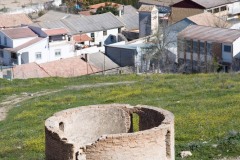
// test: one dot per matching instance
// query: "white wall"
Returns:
(234, 8)
(57, 2)
(99, 37)
(67, 50)
(20, 41)
(42, 47)
(236, 48)
(48, 51)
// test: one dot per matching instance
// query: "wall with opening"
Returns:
(110, 132)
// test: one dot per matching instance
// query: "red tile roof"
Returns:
(96, 6)
(69, 67)
(14, 20)
(22, 32)
(85, 13)
(81, 38)
(57, 31)
(30, 70)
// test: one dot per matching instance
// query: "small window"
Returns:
(188, 46)
(223, 8)
(92, 35)
(209, 48)
(195, 47)
(1, 54)
(227, 48)
(202, 48)
(210, 11)
(38, 55)
(119, 30)
(216, 10)
(13, 55)
(57, 52)
(5, 41)
(104, 33)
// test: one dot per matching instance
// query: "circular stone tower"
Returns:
(110, 132)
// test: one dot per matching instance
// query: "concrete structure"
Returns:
(203, 19)
(105, 132)
(148, 20)
(202, 44)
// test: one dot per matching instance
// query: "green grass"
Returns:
(206, 109)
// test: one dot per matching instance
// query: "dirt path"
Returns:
(14, 100)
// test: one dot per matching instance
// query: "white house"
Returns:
(32, 44)
(202, 45)
(103, 29)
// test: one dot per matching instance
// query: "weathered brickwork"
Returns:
(105, 132)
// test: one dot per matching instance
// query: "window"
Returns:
(188, 46)
(195, 47)
(104, 33)
(209, 48)
(210, 11)
(5, 41)
(38, 55)
(227, 48)
(202, 48)
(92, 36)
(223, 8)
(58, 52)
(13, 55)
(1, 54)
(216, 10)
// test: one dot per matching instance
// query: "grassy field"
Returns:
(206, 109)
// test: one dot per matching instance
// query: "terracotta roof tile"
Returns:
(85, 13)
(16, 33)
(96, 6)
(30, 70)
(81, 38)
(57, 31)
(14, 20)
(69, 67)
(209, 19)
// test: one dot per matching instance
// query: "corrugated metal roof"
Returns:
(57, 31)
(98, 60)
(212, 34)
(54, 15)
(86, 24)
(130, 18)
